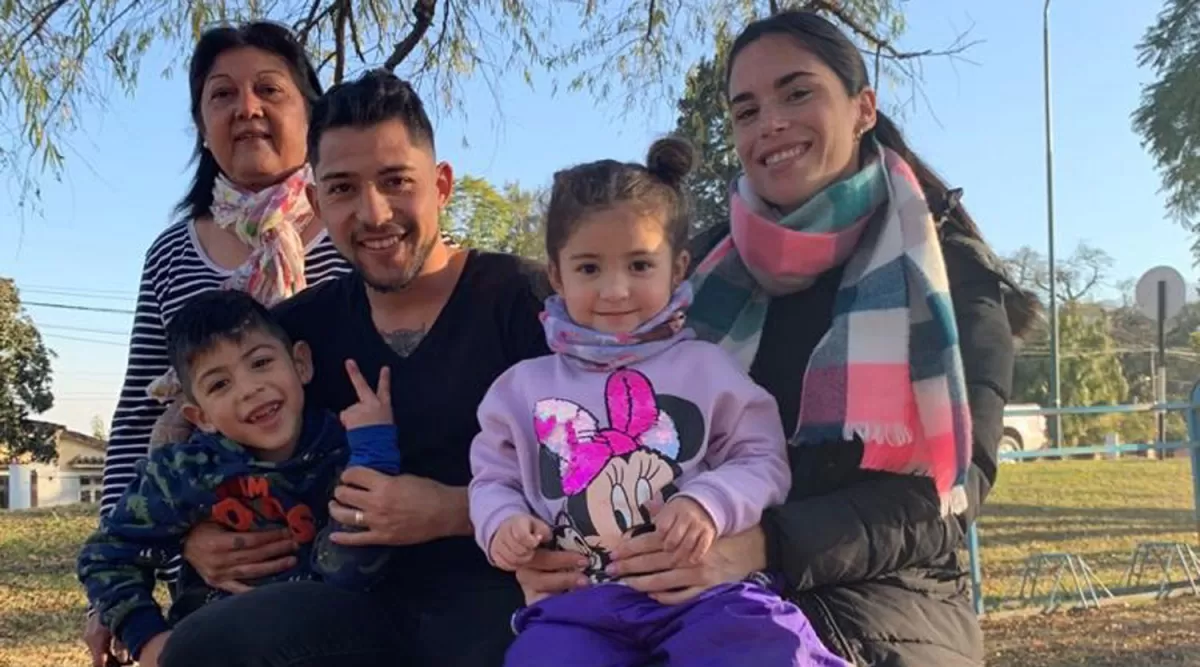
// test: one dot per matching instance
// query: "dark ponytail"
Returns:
(265, 36)
(825, 41)
(937, 193)
(1022, 306)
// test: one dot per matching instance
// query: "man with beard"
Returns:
(446, 322)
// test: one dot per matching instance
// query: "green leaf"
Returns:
(1168, 118)
(597, 48)
(25, 381)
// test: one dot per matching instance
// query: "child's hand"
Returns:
(687, 530)
(374, 407)
(153, 649)
(516, 540)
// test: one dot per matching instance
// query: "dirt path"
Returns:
(1165, 634)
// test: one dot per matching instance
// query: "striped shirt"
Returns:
(175, 270)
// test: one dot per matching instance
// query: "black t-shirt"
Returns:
(489, 323)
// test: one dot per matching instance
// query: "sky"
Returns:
(982, 129)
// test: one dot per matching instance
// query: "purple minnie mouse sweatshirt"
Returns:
(596, 453)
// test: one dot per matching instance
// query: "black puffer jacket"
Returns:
(867, 555)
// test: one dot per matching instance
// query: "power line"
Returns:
(57, 288)
(63, 327)
(86, 381)
(80, 339)
(86, 374)
(66, 306)
(79, 295)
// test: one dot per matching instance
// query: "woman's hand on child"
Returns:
(550, 573)
(644, 565)
(374, 406)
(688, 530)
(152, 650)
(224, 559)
(516, 540)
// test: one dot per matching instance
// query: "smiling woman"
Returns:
(794, 127)
(244, 223)
(853, 287)
(253, 117)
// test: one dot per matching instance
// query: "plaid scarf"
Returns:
(888, 372)
(600, 351)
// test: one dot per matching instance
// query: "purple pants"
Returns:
(610, 625)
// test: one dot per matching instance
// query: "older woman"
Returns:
(245, 223)
(861, 296)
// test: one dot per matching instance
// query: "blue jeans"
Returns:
(308, 624)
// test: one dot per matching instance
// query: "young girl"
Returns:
(631, 426)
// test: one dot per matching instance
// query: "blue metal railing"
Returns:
(1096, 409)
(1068, 452)
(1193, 443)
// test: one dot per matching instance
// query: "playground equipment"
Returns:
(1145, 555)
(1060, 564)
(1164, 554)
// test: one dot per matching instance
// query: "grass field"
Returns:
(1097, 509)
(1100, 510)
(41, 604)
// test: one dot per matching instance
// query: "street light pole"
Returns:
(1055, 388)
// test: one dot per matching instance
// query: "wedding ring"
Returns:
(358, 517)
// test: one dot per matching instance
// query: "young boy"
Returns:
(258, 460)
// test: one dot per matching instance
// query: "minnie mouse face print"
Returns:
(616, 477)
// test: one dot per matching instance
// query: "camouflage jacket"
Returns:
(207, 478)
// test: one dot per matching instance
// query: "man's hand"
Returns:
(153, 649)
(101, 645)
(516, 540)
(397, 511)
(225, 559)
(374, 407)
(688, 531)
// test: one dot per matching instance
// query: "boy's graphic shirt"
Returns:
(596, 452)
(207, 478)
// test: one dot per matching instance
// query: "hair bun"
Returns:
(670, 160)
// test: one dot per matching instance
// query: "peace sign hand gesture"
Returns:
(374, 406)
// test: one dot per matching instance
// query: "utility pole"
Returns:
(1055, 388)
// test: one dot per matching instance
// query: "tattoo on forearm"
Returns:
(404, 341)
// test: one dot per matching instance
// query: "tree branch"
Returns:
(873, 39)
(354, 39)
(423, 13)
(878, 64)
(339, 40)
(448, 10)
(314, 19)
(1091, 283)
(40, 19)
(650, 20)
(302, 28)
